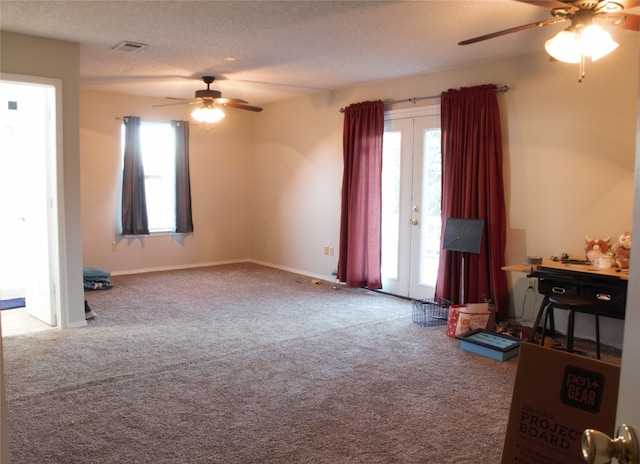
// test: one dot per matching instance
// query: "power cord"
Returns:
(530, 289)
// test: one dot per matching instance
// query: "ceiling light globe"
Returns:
(208, 114)
(564, 47)
(596, 42)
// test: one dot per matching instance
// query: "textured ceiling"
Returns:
(263, 51)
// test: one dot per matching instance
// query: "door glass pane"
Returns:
(430, 217)
(391, 144)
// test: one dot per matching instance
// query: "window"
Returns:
(157, 144)
(158, 158)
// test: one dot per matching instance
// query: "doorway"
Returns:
(411, 188)
(28, 194)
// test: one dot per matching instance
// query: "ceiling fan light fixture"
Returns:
(596, 42)
(208, 113)
(564, 47)
(572, 44)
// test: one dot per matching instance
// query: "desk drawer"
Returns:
(614, 298)
(555, 287)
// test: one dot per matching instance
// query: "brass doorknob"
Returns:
(598, 448)
(414, 222)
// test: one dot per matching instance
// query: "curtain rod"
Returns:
(123, 118)
(503, 89)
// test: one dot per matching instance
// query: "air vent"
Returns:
(129, 46)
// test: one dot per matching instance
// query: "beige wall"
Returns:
(267, 185)
(220, 187)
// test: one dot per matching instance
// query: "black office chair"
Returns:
(573, 304)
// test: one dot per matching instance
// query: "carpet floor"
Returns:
(242, 363)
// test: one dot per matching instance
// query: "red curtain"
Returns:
(472, 188)
(359, 259)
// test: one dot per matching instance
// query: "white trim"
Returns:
(56, 220)
(430, 110)
(293, 270)
(177, 267)
(220, 263)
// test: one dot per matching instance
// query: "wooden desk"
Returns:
(605, 288)
(580, 268)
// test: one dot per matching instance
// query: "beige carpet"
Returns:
(246, 364)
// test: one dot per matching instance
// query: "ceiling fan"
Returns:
(581, 37)
(210, 101)
(579, 12)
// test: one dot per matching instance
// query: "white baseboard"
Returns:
(219, 263)
(175, 268)
(293, 270)
(9, 293)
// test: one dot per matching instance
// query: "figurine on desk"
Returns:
(597, 252)
(622, 250)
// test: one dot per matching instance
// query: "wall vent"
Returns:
(129, 46)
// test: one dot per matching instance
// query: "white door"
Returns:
(28, 147)
(411, 180)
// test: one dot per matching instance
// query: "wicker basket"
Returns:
(431, 312)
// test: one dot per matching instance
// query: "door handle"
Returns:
(598, 448)
(414, 222)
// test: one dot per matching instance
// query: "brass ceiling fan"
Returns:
(210, 100)
(583, 37)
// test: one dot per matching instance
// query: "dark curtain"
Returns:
(472, 188)
(359, 259)
(134, 202)
(184, 221)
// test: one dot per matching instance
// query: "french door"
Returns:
(411, 189)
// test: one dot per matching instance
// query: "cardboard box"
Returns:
(556, 396)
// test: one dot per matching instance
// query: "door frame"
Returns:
(55, 197)
(628, 411)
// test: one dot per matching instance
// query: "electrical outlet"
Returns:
(114, 246)
(532, 283)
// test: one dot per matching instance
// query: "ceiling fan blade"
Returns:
(630, 23)
(172, 104)
(242, 107)
(549, 4)
(224, 101)
(210, 97)
(182, 101)
(511, 30)
(628, 4)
